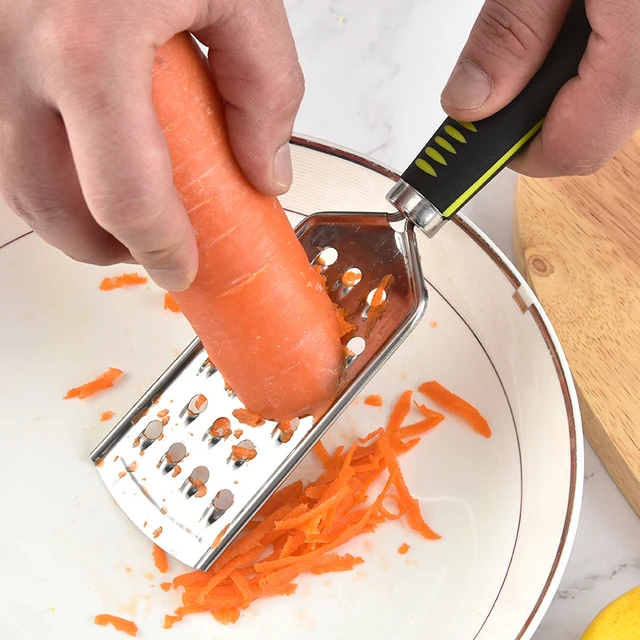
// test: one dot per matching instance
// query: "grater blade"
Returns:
(169, 462)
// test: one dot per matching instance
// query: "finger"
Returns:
(507, 45)
(255, 64)
(124, 166)
(38, 180)
(595, 113)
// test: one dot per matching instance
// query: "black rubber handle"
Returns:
(462, 157)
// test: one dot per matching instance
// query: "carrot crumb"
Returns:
(126, 279)
(165, 586)
(403, 548)
(169, 621)
(160, 559)
(221, 428)
(434, 323)
(103, 381)
(120, 624)
(170, 304)
(242, 453)
(373, 401)
(238, 433)
(157, 532)
(106, 415)
(163, 413)
(247, 417)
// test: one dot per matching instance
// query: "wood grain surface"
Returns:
(577, 242)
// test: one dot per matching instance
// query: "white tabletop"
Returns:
(374, 71)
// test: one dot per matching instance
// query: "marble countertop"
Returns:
(374, 71)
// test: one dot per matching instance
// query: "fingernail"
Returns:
(282, 167)
(170, 279)
(469, 87)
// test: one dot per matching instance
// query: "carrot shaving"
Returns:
(165, 586)
(346, 327)
(163, 413)
(170, 304)
(125, 280)
(378, 296)
(247, 417)
(373, 401)
(456, 405)
(403, 548)
(237, 433)
(160, 559)
(106, 415)
(103, 381)
(301, 527)
(120, 624)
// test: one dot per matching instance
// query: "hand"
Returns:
(83, 159)
(592, 116)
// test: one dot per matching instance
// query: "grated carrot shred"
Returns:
(301, 527)
(106, 415)
(120, 624)
(170, 304)
(403, 548)
(456, 405)
(244, 416)
(103, 381)
(160, 559)
(125, 280)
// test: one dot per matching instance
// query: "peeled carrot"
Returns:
(456, 405)
(126, 279)
(373, 401)
(120, 624)
(258, 306)
(170, 304)
(103, 381)
(160, 559)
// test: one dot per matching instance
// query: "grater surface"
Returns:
(169, 462)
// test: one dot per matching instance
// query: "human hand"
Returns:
(83, 159)
(592, 116)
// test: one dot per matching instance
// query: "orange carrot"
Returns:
(247, 417)
(403, 548)
(258, 306)
(242, 453)
(160, 559)
(165, 586)
(456, 405)
(300, 528)
(170, 304)
(106, 415)
(103, 381)
(119, 624)
(373, 401)
(125, 280)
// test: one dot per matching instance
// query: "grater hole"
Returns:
(221, 428)
(285, 430)
(197, 405)
(153, 430)
(372, 293)
(175, 453)
(242, 452)
(351, 277)
(223, 500)
(199, 476)
(356, 346)
(327, 257)
(220, 504)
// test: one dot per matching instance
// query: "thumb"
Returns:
(507, 45)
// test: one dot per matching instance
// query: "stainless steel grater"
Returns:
(170, 463)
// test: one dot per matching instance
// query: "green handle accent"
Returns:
(462, 157)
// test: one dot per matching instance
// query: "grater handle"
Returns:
(462, 157)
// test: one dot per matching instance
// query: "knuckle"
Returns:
(506, 26)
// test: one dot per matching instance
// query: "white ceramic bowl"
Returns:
(506, 507)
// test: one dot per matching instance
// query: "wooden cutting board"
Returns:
(577, 242)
